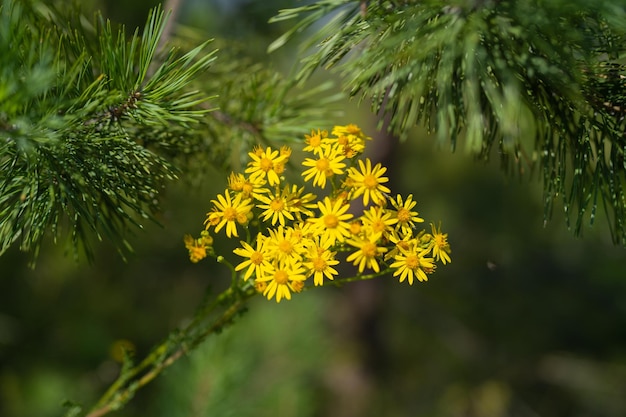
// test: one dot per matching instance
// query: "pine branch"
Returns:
(70, 152)
(254, 104)
(538, 81)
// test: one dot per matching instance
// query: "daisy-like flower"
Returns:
(332, 223)
(319, 260)
(301, 232)
(439, 245)
(257, 259)
(228, 212)
(301, 203)
(349, 130)
(198, 247)
(247, 186)
(264, 165)
(367, 253)
(369, 182)
(328, 164)
(403, 242)
(404, 214)
(279, 167)
(412, 264)
(348, 146)
(282, 279)
(378, 220)
(284, 245)
(276, 206)
(356, 227)
(314, 141)
(349, 139)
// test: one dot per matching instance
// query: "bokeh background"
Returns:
(528, 320)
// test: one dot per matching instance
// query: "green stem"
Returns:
(123, 389)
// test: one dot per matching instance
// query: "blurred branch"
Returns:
(179, 343)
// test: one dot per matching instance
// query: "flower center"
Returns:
(247, 188)
(256, 258)
(355, 227)
(378, 226)
(319, 264)
(370, 181)
(331, 221)
(230, 214)
(285, 246)
(322, 164)
(349, 151)
(277, 204)
(403, 215)
(412, 262)
(369, 249)
(314, 141)
(403, 245)
(281, 277)
(266, 164)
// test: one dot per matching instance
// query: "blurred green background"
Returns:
(527, 320)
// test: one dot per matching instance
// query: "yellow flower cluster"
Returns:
(300, 234)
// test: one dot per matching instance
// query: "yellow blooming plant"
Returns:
(296, 237)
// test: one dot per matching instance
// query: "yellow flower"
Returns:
(328, 164)
(356, 227)
(301, 203)
(402, 243)
(439, 245)
(349, 130)
(368, 182)
(378, 220)
(406, 217)
(367, 254)
(228, 212)
(198, 247)
(257, 258)
(282, 279)
(285, 151)
(320, 260)
(301, 232)
(247, 186)
(264, 164)
(332, 222)
(314, 141)
(411, 264)
(285, 245)
(350, 140)
(276, 206)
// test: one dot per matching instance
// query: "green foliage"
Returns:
(254, 104)
(539, 82)
(94, 122)
(77, 100)
(253, 369)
